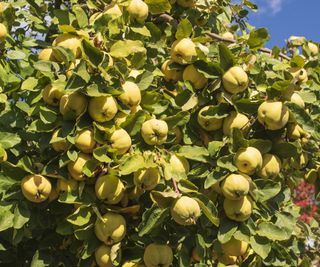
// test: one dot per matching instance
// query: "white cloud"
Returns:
(275, 5)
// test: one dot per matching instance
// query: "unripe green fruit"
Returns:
(208, 123)
(185, 211)
(138, 10)
(179, 163)
(186, 3)
(248, 160)
(147, 179)
(300, 74)
(235, 120)
(47, 54)
(3, 31)
(235, 247)
(154, 132)
(85, 141)
(109, 188)
(59, 146)
(271, 166)
(238, 210)
(110, 230)
(273, 115)
(196, 78)
(183, 51)
(120, 141)
(75, 167)
(235, 80)
(102, 108)
(131, 95)
(71, 42)
(103, 256)
(64, 185)
(36, 188)
(235, 186)
(73, 105)
(171, 74)
(156, 255)
(52, 95)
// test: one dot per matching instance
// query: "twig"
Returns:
(264, 50)
(175, 186)
(171, 20)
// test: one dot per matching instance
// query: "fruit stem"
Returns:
(175, 186)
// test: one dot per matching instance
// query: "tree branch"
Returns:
(172, 21)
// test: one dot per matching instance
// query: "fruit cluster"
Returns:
(146, 142)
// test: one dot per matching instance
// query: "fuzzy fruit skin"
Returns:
(238, 210)
(131, 95)
(185, 211)
(314, 49)
(235, 80)
(103, 256)
(295, 98)
(197, 79)
(120, 141)
(47, 54)
(3, 31)
(171, 74)
(300, 162)
(85, 141)
(271, 166)
(179, 163)
(300, 74)
(112, 229)
(235, 120)
(208, 124)
(186, 3)
(154, 132)
(36, 188)
(156, 255)
(64, 185)
(294, 132)
(59, 146)
(72, 105)
(109, 188)
(227, 260)
(51, 95)
(138, 10)
(147, 179)
(235, 186)
(273, 115)
(75, 167)
(183, 51)
(71, 42)
(228, 35)
(4, 157)
(132, 264)
(235, 247)
(248, 160)
(102, 108)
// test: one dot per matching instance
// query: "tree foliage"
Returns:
(40, 133)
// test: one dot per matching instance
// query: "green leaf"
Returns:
(272, 231)
(214, 147)
(196, 153)
(40, 259)
(100, 154)
(184, 29)
(131, 164)
(6, 216)
(94, 54)
(7, 182)
(219, 111)
(29, 84)
(121, 49)
(209, 211)
(151, 219)
(264, 146)
(285, 150)
(9, 140)
(226, 162)
(14, 54)
(258, 38)
(238, 140)
(164, 199)
(47, 115)
(227, 59)
(260, 245)
(145, 80)
(133, 122)
(81, 16)
(246, 105)
(179, 119)
(301, 116)
(21, 215)
(226, 230)
(266, 189)
(80, 217)
(297, 61)
(141, 30)
(158, 6)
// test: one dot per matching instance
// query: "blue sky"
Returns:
(284, 18)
